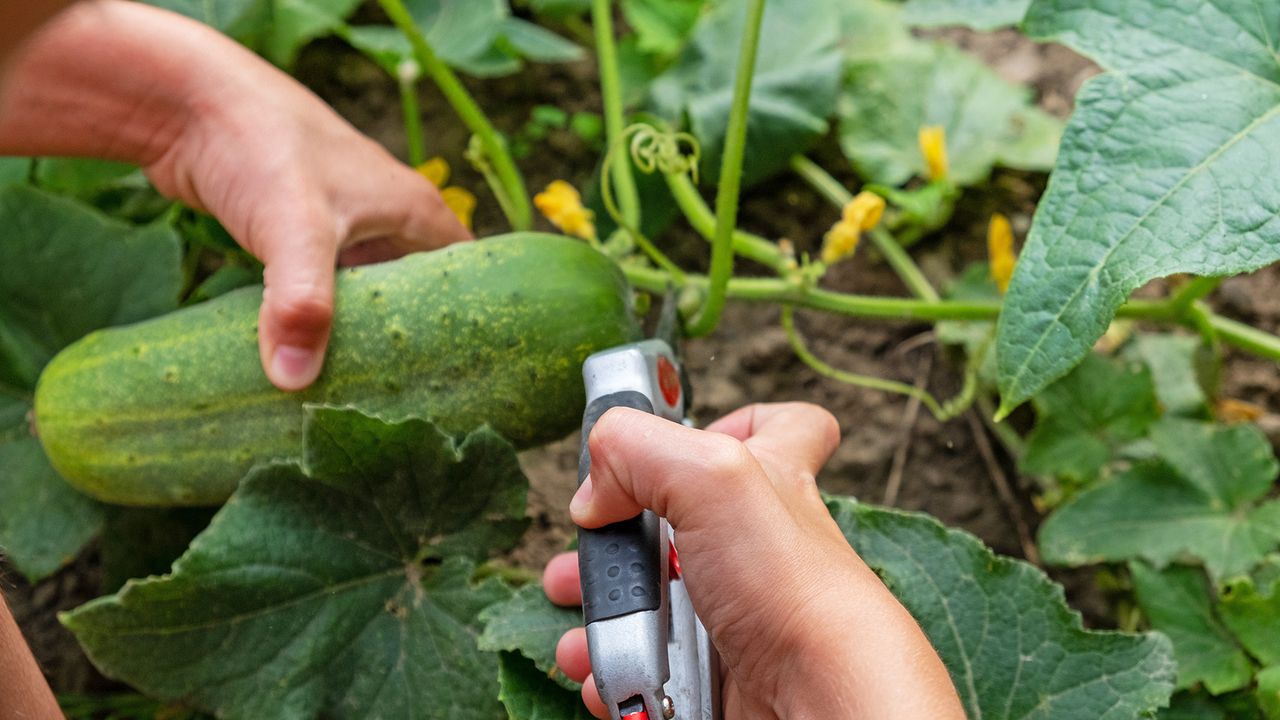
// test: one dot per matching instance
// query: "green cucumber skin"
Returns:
(174, 410)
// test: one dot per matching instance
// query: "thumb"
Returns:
(640, 461)
(297, 308)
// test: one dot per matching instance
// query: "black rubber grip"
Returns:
(620, 564)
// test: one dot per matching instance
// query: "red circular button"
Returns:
(668, 381)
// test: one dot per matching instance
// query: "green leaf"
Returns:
(988, 121)
(43, 521)
(275, 28)
(344, 589)
(14, 170)
(65, 271)
(662, 26)
(140, 542)
(538, 44)
(1193, 706)
(560, 8)
(1085, 417)
(531, 625)
(1177, 602)
(528, 694)
(1200, 504)
(1013, 647)
(81, 176)
(793, 91)
(1166, 167)
(1254, 617)
(1174, 361)
(1269, 692)
(977, 14)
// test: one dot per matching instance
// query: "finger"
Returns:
(571, 655)
(561, 582)
(591, 698)
(297, 304)
(407, 215)
(369, 252)
(799, 436)
(640, 461)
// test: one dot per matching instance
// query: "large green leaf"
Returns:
(1082, 419)
(1201, 502)
(1269, 692)
(793, 91)
(528, 694)
(65, 271)
(343, 588)
(888, 97)
(1168, 166)
(1177, 602)
(1003, 628)
(977, 14)
(275, 28)
(1178, 364)
(529, 624)
(14, 170)
(480, 38)
(1252, 611)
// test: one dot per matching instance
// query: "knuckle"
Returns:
(309, 309)
(722, 455)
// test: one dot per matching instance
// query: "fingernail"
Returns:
(294, 368)
(581, 499)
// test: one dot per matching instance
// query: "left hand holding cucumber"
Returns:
(222, 130)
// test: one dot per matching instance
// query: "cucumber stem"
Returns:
(893, 252)
(735, 143)
(509, 187)
(614, 120)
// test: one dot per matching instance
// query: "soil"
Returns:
(939, 467)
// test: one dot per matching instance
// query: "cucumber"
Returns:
(175, 410)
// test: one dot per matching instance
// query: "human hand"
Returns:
(222, 130)
(804, 628)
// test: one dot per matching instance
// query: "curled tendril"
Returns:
(657, 150)
(651, 149)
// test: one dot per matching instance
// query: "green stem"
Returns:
(614, 120)
(893, 252)
(1245, 337)
(509, 187)
(700, 217)
(735, 145)
(780, 291)
(510, 573)
(1193, 291)
(866, 381)
(412, 121)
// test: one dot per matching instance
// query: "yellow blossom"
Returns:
(461, 202)
(864, 211)
(1235, 412)
(1000, 251)
(933, 146)
(840, 242)
(562, 205)
(436, 170)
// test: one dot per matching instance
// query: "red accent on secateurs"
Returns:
(668, 381)
(642, 715)
(673, 560)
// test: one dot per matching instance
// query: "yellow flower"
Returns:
(1000, 251)
(840, 242)
(562, 205)
(461, 202)
(933, 146)
(436, 170)
(864, 211)
(861, 214)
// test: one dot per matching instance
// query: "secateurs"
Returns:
(650, 654)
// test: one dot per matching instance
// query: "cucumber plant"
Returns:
(352, 571)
